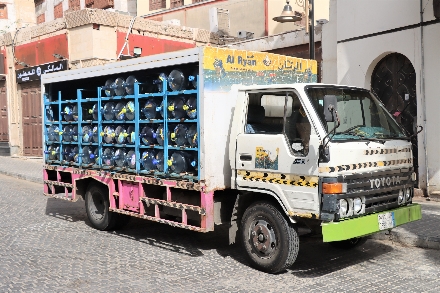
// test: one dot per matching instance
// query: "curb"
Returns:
(22, 177)
(433, 197)
(408, 239)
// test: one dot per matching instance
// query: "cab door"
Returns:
(278, 151)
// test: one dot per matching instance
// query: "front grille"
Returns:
(380, 189)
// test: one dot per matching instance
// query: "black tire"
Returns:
(97, 207)
(349, 243)
(270, 242)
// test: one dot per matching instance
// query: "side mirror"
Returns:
(330, 107)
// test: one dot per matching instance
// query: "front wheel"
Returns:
(271, 243)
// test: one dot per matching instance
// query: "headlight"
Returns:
(343, 207)
(357, 205)
(408, 194)
(401, 197)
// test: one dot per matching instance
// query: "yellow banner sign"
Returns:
(224, 67)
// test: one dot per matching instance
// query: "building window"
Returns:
(74, 4)
(89, 3)
(176, 3)
(38, 2)
(157, 4)
(41, 18)
(58, 10)
(3, 11)
(103, 4)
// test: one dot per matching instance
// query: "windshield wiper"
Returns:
(363, 137)
(352, 134)
(382, 141)
(404, 137)
(395, 137)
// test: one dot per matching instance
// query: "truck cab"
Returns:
(331, 155)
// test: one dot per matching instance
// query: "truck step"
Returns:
(49, 182)
(176, 205)
(159, 220)
(51, 191)
(68, 198)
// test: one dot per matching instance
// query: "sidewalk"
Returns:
(29, 169)
(424, 233)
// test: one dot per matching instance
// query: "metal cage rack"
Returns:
(60, 145)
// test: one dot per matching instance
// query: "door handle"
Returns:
(245, 157)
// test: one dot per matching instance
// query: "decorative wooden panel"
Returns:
(4, 132)
(32, 119)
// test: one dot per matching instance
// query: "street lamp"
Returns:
(289, 16)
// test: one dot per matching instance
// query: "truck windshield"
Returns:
(362, 116)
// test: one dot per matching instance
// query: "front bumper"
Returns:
(369, 224)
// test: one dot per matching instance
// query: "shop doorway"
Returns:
(4, 132)
(32, 119)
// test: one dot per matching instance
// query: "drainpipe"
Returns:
(311, 13)
(422, 49)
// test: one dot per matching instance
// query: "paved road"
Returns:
(47, 245)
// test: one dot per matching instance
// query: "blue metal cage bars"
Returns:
(137, 97)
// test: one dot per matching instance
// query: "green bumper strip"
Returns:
(366, 225)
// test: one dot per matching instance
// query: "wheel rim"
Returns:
(262, 237)
(97, 206)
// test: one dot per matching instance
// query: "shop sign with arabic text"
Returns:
(35, 72)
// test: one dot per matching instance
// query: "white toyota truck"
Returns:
(210, 136)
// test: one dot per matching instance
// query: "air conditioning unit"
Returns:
(245, 35)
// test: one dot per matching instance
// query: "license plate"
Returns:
(386, 221)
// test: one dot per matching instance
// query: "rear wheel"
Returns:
(271, 243)
(97, 207)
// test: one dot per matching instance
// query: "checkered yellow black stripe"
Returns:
(364, 165)
(278, 178)
(387, 151)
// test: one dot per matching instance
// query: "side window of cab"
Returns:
(297, 127)
(279, 113)
(265, 113)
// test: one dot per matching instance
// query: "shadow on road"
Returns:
(65, 210)
(315, 258)
(318, 259)
(166, 237)
(175, 240)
